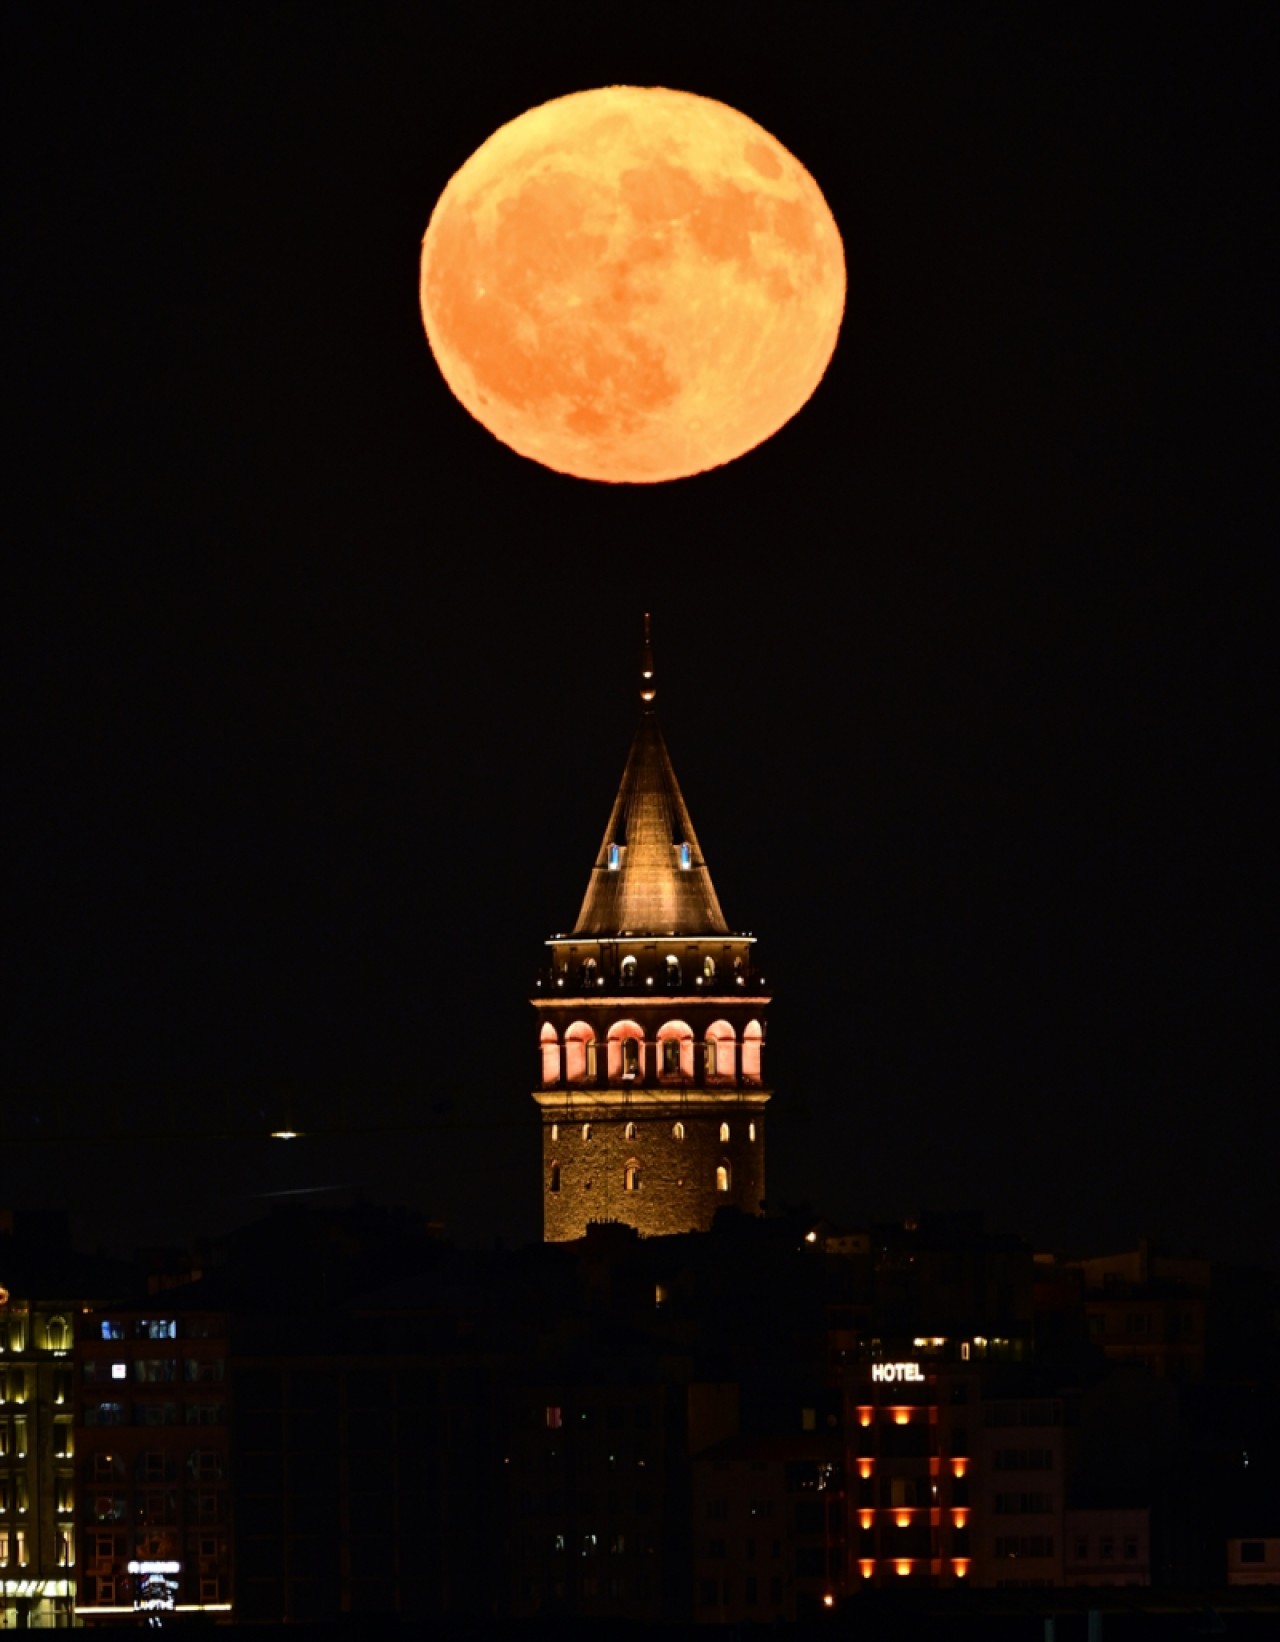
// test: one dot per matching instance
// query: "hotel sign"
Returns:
(890, 1372)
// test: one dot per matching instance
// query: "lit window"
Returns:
(722, 1178)
(677, 1131)
(586, 1131)
(709, 968)
(630, 1131)
(549, 1047)
(555, 1131)
(630, 1057)
(631, 1176)
(615, 857)
(671, 1057)
(686, 858)
(554, 1419)
(751, 1131)
(724, 1132)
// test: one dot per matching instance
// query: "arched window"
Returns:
(676, 1050)
(752, 1038)
(550, 1054)
(708, 969)
(677, 1131)
(555, 1178)
(673, 971)
(589, 973)
(724, 1133)
(550, 1047)
(626, 1050)
(580, 1053)
(555, 1131)
(628, 973)
(751, 1131)
(631, 1176)
(59, 1334)
(630, 1131)
(586, 1131)
(720, 1052)
(722, 1178)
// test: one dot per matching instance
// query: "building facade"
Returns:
(651, 1024)
(151, 1447)
(37, 1446)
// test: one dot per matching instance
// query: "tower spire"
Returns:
(648, 688)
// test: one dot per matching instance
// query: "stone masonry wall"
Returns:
(677, 1188)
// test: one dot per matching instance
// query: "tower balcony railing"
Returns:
(715, 1082)
(590, 983)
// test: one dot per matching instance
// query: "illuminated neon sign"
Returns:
(896, 1371)
(156, 1587)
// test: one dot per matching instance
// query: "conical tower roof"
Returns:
(649, 877)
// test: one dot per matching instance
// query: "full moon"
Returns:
(632, 284)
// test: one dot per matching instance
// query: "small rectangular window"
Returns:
(554, 1419)
(686, 858)
(615, 857)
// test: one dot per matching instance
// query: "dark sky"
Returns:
(321, 695)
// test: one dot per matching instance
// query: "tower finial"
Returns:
(648, 689)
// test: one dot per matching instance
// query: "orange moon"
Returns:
(632, 284)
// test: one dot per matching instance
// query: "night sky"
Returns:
(321, 695)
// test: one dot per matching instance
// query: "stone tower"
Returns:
(651, 1026)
